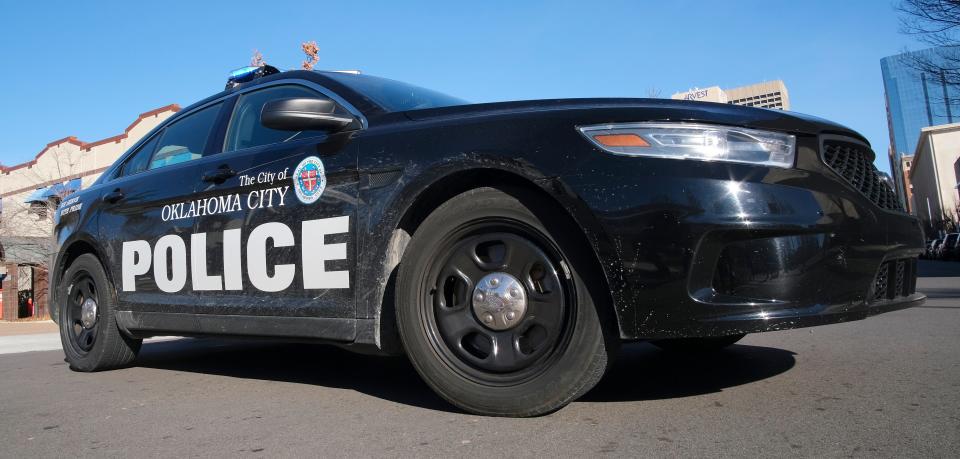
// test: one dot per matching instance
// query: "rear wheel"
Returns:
(88, 327)
(694, 345)
(492, 312)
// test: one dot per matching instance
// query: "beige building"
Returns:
(934, 176)
(29, 192)
(906, 163)
(769, 94)
(711, 94)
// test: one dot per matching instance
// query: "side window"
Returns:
(245, 130)
(185, 139)
(139, 160)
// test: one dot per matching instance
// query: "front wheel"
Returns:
(88, 327)
(493, 313)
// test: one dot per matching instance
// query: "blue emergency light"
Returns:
(244, 74)
(247, 74)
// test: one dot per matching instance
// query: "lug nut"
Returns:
(488, 318)
(478, 297)
(511, 315)
(494, 282)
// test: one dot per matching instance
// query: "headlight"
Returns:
(704, 142)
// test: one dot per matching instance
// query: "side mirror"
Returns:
(303, 114)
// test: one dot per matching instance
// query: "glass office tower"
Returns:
(916, 100)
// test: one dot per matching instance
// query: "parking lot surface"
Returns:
(886, 386)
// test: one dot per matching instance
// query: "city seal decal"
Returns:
(309, 180)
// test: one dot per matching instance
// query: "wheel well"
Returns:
(70, 254)
(545, 206)
(446, 188)
(73, 251)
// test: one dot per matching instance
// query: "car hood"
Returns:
(633, 110)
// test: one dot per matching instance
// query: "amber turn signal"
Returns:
(620, 140)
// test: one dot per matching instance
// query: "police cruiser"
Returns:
(507, 249)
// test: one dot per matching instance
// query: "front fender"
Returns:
(392, 215)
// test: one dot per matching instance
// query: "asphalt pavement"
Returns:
(888, 386)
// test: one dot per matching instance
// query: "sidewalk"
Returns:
(17, 337)
(27, 336)
(27, 327)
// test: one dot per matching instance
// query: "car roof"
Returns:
(359, 101)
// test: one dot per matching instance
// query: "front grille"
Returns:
(881, 283)
(895, 279)
(898, 285)
(852, 162)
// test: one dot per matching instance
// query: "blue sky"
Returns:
(88, 68)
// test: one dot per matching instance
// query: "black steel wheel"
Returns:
(82, 312)
(492, 311)
(500, 305)
(88, 328)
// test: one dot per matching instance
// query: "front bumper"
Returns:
(707, 249)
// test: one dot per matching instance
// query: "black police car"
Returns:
(506, 248)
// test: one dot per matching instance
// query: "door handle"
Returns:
(219, 175)
(113, 196)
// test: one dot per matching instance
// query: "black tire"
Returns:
(697, 345)
(558, 350)
(99, 345)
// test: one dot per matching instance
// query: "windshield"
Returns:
(394, 96)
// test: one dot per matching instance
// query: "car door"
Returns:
(145, 219)
(289, 249)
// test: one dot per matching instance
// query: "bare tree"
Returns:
(936, 23)
(312, 51)
(654, 92)
(26, 229)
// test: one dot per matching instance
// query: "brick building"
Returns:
(29, 194)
